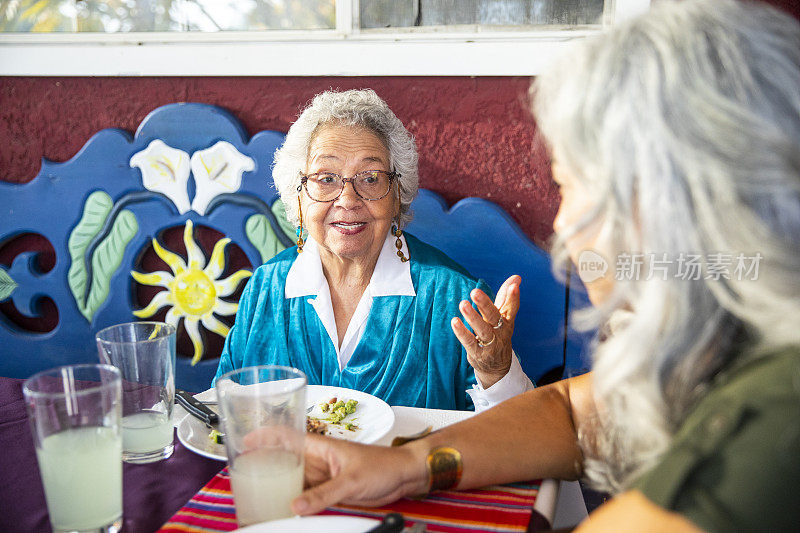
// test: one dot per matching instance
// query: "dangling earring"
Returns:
(397, 232)
(300, 241)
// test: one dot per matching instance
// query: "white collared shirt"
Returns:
(391, 277)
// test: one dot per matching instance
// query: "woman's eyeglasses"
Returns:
(369, 185)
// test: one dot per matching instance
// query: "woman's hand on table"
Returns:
(338, 471)
(493, 324)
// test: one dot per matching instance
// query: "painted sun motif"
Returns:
(194, 291)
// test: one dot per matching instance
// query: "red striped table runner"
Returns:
(503, 508)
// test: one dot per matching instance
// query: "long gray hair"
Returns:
(361, 108)
(685, 124)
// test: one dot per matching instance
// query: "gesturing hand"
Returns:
(489, 349)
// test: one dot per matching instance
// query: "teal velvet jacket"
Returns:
(408, 354)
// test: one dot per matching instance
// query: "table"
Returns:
(153, 493)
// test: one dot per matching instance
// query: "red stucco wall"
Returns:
(474, 134)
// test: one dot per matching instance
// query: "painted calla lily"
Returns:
(217, 170)
(165, 170)
(194, 290)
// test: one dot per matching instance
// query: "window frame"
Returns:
(344, 51)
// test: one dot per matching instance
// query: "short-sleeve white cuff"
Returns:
(513, 383)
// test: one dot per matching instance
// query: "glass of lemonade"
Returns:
(264, 418)
(144, 352)
(75, 413)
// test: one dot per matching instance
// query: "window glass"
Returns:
(497, 13)
(113, 16)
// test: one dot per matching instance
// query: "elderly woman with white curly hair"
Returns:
(358, 303)
(675, 134)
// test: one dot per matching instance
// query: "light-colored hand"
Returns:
(492, 360)
(345, 472)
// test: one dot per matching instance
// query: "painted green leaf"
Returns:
(7, 285)
(107, 258)
(95, 212)
(279, 211)
(262, 236)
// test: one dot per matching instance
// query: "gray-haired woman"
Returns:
(676, 146)
(358, 303)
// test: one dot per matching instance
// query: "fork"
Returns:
(399, 441)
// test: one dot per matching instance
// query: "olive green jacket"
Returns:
(734, 465)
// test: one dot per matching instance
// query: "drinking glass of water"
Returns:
(144, 352)
(264, 418)
(75, 412)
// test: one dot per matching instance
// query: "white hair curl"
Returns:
(685, 123)
(362, 108)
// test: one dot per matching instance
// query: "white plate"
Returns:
(314, 524)
(373, 417)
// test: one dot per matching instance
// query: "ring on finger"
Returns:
(483, 344)
(499, 324)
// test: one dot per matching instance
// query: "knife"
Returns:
(196, 408)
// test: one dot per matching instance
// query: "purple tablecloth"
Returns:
(152, 493)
